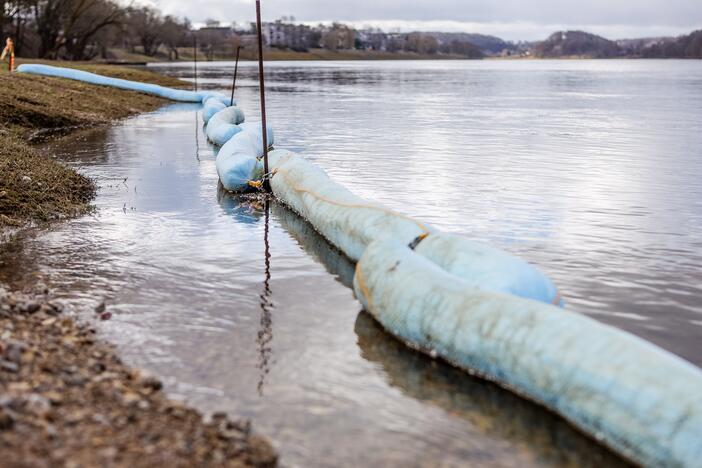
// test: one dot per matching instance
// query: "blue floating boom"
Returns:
(92, 78)
(238, 161)
(223, 125)
(640, 400)
(210, 107)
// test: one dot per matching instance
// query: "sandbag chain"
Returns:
(258, 184)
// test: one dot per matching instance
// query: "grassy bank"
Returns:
(34, 187)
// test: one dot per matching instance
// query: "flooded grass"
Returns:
(33, 186)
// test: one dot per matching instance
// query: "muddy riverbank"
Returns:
(66, 399)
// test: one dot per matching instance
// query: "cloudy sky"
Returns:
(510, 19)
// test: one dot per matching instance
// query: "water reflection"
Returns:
(250, 209)
(494, 411)
(265, 334)
(335, 262)
(197, 136)
(243, 208)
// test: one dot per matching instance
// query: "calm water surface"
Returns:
(590, 169)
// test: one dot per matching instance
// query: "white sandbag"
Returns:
(238, 161)
(210, 107)
(640, 400)
(224, 125)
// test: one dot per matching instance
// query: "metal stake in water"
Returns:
(264, 133)
(236, 69)
(195, 56)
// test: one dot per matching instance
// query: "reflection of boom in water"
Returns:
(489, 408)
(249, 209)
(243, 208)
(335, 262)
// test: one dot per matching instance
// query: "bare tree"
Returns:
(421, 43)
(338, 36)
(174, 33)
(87, 21)
(463, 48)
(145, 24)
(71, 24)
(47, 17)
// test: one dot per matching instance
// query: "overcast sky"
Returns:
(509, 19)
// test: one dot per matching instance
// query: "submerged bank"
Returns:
(34, 187)
(65, 397)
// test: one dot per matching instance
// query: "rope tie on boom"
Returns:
(417, 240)
(260, 183)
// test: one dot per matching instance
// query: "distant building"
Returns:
(213, 31)
(371, 39)
(288, 35)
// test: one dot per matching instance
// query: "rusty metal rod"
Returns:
(264, 132)
(236, 69)
(195, 56)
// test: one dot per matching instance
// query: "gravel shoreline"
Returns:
(66, 399)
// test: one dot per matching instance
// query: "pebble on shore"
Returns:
(67, 400)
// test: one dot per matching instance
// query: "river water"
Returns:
(590, 169)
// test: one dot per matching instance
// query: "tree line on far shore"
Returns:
(583, 44)
(90, 29)
(86, 29)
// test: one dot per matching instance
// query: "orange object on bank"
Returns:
(9, 51)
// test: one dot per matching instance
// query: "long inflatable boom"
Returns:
(92, 78)
(352, 224)
(640, 400)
